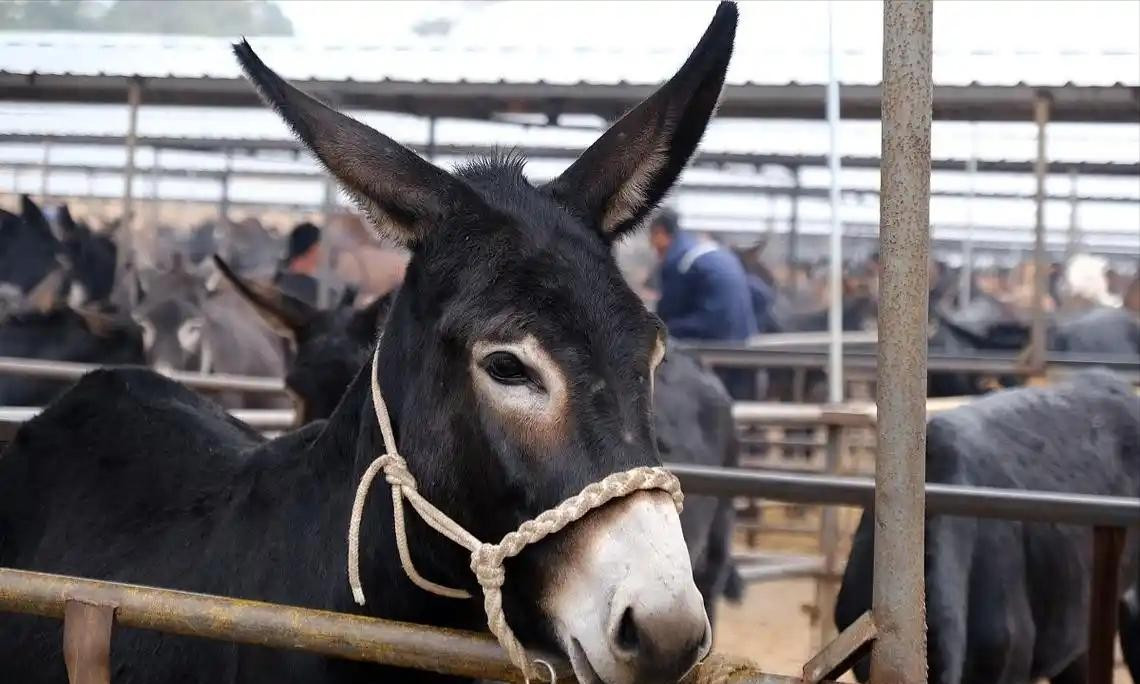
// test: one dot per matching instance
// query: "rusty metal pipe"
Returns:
(87, 642)
(941, 499)
(1041, 107)
(1104, 594)
(898, 602)
(353, 637)
(125, 259)
(337, 635)
(70, 370)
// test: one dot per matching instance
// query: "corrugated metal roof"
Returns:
(431, 61)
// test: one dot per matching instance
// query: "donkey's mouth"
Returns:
(583, 670)
(627, 610)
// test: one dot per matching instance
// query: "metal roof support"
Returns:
(1074, 242)
(224, 181)
(324, 275)
(835, 265)
(899, 599)
(125, 233)
(794, 228)
(155, 194)
(712, 159)
(45, 171)
(966, 284)
(1041, 107)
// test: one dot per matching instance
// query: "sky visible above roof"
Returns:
(960, 25)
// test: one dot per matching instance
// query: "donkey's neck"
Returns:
(353, 440)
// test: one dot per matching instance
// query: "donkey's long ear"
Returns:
(34, 217)
(284, 314)
(622, 176)
(68, 228)
(404, 195)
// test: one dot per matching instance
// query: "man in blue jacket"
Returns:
(704, 294)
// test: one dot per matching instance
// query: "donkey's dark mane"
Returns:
(498, 166)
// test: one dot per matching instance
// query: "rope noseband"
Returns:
(486, 559)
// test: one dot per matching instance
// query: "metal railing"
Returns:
(866, 361)
(91, 606)
(941, 499)
(69, 370)
(783, 351)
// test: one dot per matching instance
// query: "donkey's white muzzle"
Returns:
(626, 609)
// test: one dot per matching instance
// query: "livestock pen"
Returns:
(894, 630)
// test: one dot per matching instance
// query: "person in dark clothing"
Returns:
(763, 299)
(298, 275)
(705, 294)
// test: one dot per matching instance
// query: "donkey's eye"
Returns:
(505, 368)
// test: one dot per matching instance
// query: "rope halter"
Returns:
(486, 559)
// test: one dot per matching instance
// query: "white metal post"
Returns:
(1073, 244)
(835, 310)
(966, 285)
(125, 233)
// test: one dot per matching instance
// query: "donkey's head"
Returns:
(518, 364)
(329, 345)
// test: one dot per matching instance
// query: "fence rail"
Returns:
(783, 351)
(339, 635)
(980, 502)
(68, 370)
(867, 361)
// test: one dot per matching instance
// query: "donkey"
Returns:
(1007, 601)
(32, 248)
(62, 333)
(187, 327)
(328, 346)
(692, 411)
(516, 367)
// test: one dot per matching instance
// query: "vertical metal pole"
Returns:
(835, 310)
(324, 274)
(827, 583)
(45, 171)
(1108, 545)
(899, 597)
(87, 642)
(224, 203)
(126, 226)
(966, 285)
(794, 231)
(1041, 108)
(1074, 239)
(431, 139)
(155, 178)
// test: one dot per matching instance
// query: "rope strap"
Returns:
(486, 559)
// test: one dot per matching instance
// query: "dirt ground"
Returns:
(772, 629)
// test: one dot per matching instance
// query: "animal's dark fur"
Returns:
(694, 423)
(63, 334)
(1007, 602)
(129, 476)
(30, 250)
(692, 412)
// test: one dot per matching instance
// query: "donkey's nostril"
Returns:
(627, 640)
(658, 638)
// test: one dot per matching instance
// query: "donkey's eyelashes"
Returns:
(507, 369)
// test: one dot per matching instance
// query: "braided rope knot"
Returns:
(396, 471)
(486, 559)
(487, 565)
